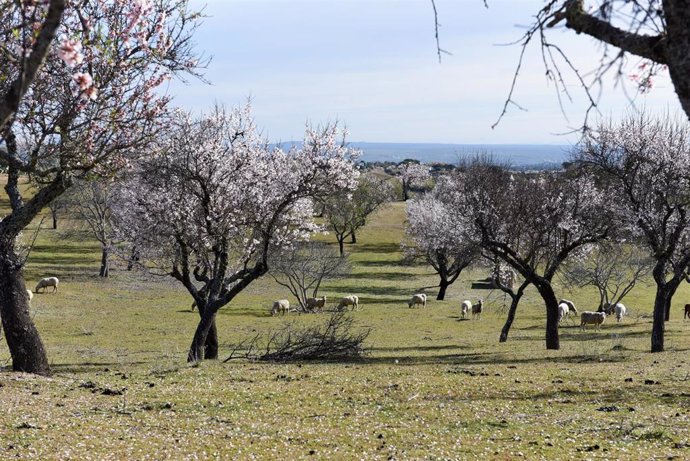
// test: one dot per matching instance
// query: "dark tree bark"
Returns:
(133, 258)
(665, 289)
(515, 301)
(671, 47)
(53, 214)
(353, 236)
(341, 245)
(105, 263)
(443, 286)
(658, 325)
(23, 340)
(198, 349)
(546, 291)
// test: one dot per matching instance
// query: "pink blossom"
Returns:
(83, 80)
(70, 52)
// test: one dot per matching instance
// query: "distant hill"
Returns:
(517, 155)
(523, 156)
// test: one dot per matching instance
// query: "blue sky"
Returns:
(372, 65)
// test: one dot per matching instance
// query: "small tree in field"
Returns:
(303, 267)
(92, 108)
(533, 223)
(91, 203)
(412, 173)
(504, 280)
(345, 213)
(216, 200)
(613, 269)
(439, 237)
(646, 161)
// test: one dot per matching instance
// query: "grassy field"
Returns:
(432, 387)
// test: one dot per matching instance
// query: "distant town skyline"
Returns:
(372, 65)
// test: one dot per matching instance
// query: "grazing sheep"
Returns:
(47, 282)
(351, 300)
(571, 305)
(687, 312)
(315, 304)
(282, 306)
(620, 311)
(419, 298)
(30, 294)
(563, 311)
(465, 308)
(477, 309)
(592, 318)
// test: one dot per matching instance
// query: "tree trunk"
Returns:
(406, 192)
(353, 236)
(105, 263)
(511, 317)
(211, 345)
(667, 310)
(661, 300)
(676, 17)
(551, 303)
(133, 258)
(24, 342)
(54, 216)
(197, 351)
(341, 245)
(442, 289)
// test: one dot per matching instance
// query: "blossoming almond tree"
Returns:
(92, 108)
(216, 199)
(439, 236)
(647, 162)
(533, 223)
(412, 173)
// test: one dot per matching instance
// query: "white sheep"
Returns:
(282, 306)
(477, 309)
(620, 311)
(563, 311)
(418, 298)
(465, 308)
(351, 300)
(30, 294)
(47, 282)
(315, 304)
(571, 305)
(592, 318)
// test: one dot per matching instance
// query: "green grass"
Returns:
(433, 386)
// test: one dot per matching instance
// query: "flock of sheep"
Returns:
(282, 306)
(565, 308)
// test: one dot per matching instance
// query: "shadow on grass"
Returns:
(382, 276)
(379, 291)
(375, 248)
(61, 260)
(90, 367)
(82, 248)
(375, 263)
